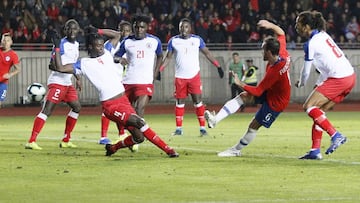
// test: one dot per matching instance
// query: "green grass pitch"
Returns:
(267, 171)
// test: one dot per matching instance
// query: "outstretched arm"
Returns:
(269, 25)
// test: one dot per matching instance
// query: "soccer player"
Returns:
(61, 89)
(273, 91)
(186, 48)
(336, 79)
(143, 55)
(104, 74)
(113, 45)
(8, 59)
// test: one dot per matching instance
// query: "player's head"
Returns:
(71, 29)
(185, 27)
(6, 41)
(94, 45)
(140, 26)
(307, 21)
(124, 29)
(271, 47)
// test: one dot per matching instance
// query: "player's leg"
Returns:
(264, 117)
(316, 135)
(200, 111)
(104, 129)
(71, 118)
(3, 90)
(313, 106)
(229, 108)
(194, 88)
(39, 123)
(179, 116)
(128, 118)
(181, 92)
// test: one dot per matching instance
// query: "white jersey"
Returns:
(186, 55)
(69, 52)
(141, 55)
(109, 46)
(326, 56)
(103, 73)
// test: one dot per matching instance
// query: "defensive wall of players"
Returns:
(215, 90)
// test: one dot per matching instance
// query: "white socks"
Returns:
(229, 108)
(246, 139)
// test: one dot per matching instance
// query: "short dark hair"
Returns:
(272, 44)
(141, 18)
(90, 39)
(235, 54)
(187, 20)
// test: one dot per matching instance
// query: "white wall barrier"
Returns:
(215, 90)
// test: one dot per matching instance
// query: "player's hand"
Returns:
(158, 77)
(52, 65)
(298, 85)
(90, 29)
(78, 85)
(221, 72)
(55, 38)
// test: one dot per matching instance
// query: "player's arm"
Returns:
(68, 68)
(212, 59)
(16, 70)
(269, 25)
(305, 73)
(113, 35)
(158, 63)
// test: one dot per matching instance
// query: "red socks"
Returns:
(39, 123)
(156, 140)
(179, 114)
(70, 124)
(316, 136)
(200, 110)
(320, 119)
(104, 125)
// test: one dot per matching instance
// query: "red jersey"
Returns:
(276, 82)
(7, 60)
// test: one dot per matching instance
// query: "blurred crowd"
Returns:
(216, 21)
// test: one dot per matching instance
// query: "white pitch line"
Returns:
(215, 152)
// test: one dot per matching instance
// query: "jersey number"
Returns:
(334, 48)
(140, 54)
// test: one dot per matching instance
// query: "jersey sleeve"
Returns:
(283, 53)
(159, 47)
(268, 81)
(77, 68)
(15, 58)
(170, 45)
(122, 50)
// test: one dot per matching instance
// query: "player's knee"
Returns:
(138, 137)
(136, 121)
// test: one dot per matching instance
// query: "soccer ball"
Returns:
(36, 92)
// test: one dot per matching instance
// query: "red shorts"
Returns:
(336, 89)
(133, 91)
(184, 87)
(59, 93)
(118, 109)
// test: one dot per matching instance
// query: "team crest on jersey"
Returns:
(149, 89)
(148, 45)
(7, 58)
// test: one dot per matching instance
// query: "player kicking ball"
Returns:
(273, 91)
